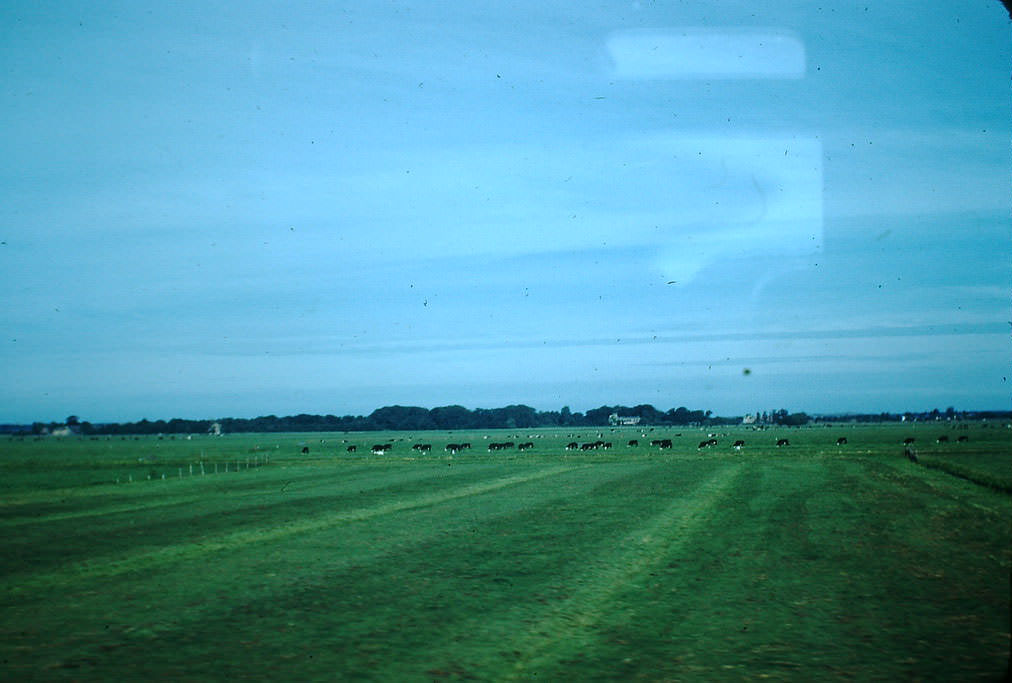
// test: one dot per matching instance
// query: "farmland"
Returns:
(241, 556)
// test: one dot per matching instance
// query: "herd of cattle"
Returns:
(662, 444)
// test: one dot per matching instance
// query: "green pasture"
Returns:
(796, 563)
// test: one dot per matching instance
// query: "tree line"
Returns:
(401, 418)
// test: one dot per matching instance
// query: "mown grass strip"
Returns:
(569, 627)
(979, 478)
(142, 498)
(135, 561)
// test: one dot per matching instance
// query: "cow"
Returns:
(305, 450)
(588, 446)
(737, 445)
(942, 439)
(465, 445)
(425, 447)
(783, 442)
(381, 448)
(664, 443)
(352, 449)
(909, 440)
(841, 441)
(703, 444)
(606, 445)
(526, 446)
(572, 446)
(633, 443)
(963, 439)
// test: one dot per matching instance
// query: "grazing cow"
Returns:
(942, 439)
(588, 446)
(841, 441)
(425, 447)
(737, 445)
(352, 449)
(305, 450)
(465, 445)
(381, 448)
(526, 446)
(634, 442)
(909, 440)
(963, 439)
(572, 446)
(664, 443)
(703, 444)
(452, 448)
(910, 453)
(606, 445)
(783, 442)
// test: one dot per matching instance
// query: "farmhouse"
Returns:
(623, 420)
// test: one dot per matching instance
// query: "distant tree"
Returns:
(73, 421)
(598, 417)
(648, 414)
(401, 418)
(452, 417)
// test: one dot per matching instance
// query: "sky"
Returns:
(214, 209)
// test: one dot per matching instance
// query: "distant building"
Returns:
(750, 419)
(623, 420)
(214, 429)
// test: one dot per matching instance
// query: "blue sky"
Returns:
(238, 209)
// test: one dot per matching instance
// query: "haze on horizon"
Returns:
(224, 209)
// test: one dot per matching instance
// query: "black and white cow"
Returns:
(783, 442)
(841, 441)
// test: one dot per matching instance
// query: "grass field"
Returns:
(796, 563)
